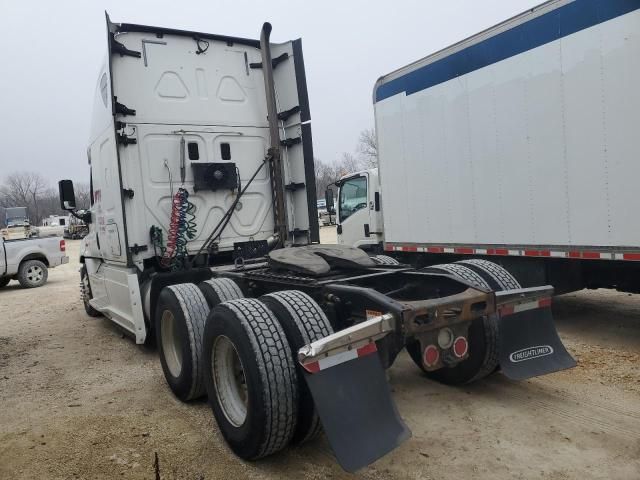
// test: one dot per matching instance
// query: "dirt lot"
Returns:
(79, 401)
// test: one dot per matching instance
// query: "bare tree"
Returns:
(326, 174)
(83, 196)
(24, 189)
(31, 190)
(349, 163)
(368, 147)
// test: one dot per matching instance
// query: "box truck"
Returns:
(518, 145)
(204, 236)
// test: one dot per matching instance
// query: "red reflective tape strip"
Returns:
(545, 302)
(573, 254)
(338, 358)
(508, 310)
(523, 307)
(367, 349)
(537, 253)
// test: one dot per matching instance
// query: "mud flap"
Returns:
(529, 343)
(357, 412)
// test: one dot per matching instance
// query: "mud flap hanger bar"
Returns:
(513, 298)
(348, 339)
(372, 330)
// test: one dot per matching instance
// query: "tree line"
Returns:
(365, 157)
(40, 196)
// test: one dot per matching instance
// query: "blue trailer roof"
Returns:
(558, 23)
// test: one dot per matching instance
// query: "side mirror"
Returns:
(328, 198)
(67, 195)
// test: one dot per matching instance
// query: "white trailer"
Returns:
(518, 144)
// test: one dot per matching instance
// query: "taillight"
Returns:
(63, 246)
(431, 356)
(460, 347)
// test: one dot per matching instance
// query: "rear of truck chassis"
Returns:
(293, 337)
(455, 330)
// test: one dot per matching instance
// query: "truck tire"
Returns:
(218, 290)
(179, 327)
(385, 260)
(250, 378)
(482, 337)
(303, 322)
(32, 274)
(461, 271)
(85, 293)
(4, 281)
(496, 275)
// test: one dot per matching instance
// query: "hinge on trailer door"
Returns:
(117, 47)
(274, 61)
(289, 142)
(128, 192)
(122, 109)
(287, 113)
(122, 139)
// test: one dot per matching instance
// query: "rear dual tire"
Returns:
(219, 290)
(250, 378)
(303, 322)
(245, 357)
(179, 326)
(384, 260)
(483, 335)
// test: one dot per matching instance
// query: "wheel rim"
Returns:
(34, 273)
(170, 343)
(229, 381)
(86, 295)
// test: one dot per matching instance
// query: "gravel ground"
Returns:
(78, 400)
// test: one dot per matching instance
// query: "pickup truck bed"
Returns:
(28, 260)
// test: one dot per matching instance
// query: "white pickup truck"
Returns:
(28, 260)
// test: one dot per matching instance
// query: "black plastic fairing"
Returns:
(307, 142)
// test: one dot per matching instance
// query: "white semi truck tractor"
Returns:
(204, 237)
(518, 146)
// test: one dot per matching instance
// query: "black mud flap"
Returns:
(357, 412)
(530, 345)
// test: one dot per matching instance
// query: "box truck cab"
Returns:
(359, 212)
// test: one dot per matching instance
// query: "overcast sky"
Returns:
(51, 52)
